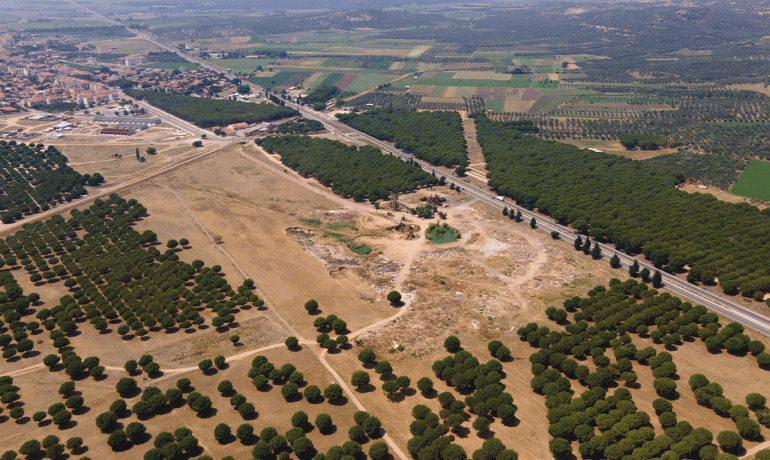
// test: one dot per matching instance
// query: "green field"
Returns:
(329, 80)
(445, 79)
(171, 65)
(332, 62)
(271, 82)
(495, 105)
(367, 81)
(242, 65)
(754, 181)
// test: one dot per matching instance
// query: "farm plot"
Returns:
(330, 79)
(755, 181)
(244, 65)
(366, 81)
(271, 81)
(344, 81)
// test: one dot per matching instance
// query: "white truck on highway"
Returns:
(501, 198)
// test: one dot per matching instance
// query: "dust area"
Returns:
(499, 276)
(256, 332)
(248, 209)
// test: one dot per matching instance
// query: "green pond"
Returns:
(447, 237)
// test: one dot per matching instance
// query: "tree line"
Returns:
(350, 171)
(436, 137)
(632, 205)
(206, 112)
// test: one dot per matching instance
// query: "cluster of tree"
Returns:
(487, 398)
(710, 395)
(328, 324)
(49, 447)
(582, 188)
(716, 170)
(625, 430)
(430, 438)
(37, 178)
(114, 272)
(386, 97)
(154, 401)
(74, 366)
(348, 170)
(719, 121)
(321, 95)
(178, 445)
(643, 141)
(206, 112)
(263, 372)
(436, 137)
(13, 306)
(301, 126)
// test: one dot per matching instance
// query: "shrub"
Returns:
(324, 423)
(394, 297)
(116, 439)
(366, 356)
(222, 433)
(135, 431)
(299, 419)
(312, 393)
(125, 386)
(755, 401)
(292, 343)
(452, 344)
(225, 386)
(245, 432)
(333, 392)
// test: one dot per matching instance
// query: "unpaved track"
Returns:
(287, 327)
(305, 184)
(98, 193)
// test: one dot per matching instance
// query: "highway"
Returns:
(696, 294)
(678, 286)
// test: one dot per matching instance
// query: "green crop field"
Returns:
(367, 81)
(495, 105)
(329, 80)
(754, 182)
(245, 65)
(276, 80)
(445, 79)
(332, 62)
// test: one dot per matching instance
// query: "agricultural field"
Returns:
(271, 81)
(243, 66)
(754, 182)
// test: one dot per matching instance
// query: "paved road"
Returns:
(681, 287)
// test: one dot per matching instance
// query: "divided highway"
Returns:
(678, 286)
